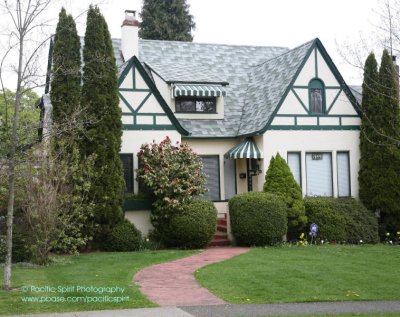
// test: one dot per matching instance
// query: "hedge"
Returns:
(342, 220)
(258, 218)
(123, 237)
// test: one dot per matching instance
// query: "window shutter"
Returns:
(319, 174)
(343, 173)
(294, 164)
(211, 169)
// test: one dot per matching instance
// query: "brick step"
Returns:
(222, 222)
(219, 243)
(222, 228)
(220, 236)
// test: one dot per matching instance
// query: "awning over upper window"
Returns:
(245, 149)
(182, 90)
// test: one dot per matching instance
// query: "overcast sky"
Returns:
(287, 23)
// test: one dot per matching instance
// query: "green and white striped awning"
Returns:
(245, 149)
(182, 90)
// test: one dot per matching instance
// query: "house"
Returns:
(236, 106)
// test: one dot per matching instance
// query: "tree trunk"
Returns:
(11, 182)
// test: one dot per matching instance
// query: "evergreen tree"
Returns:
(380, 153)
(387, 196)
(166, 20)
(66, 76)
(369, 150)
(279, 180)
(103, 136)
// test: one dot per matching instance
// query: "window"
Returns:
(319, 174)
(196, 105)
(294, 163)
(143, 188)
(211, 169)
(343, 174)
(316, 93)
(127, 166)
(230, 178)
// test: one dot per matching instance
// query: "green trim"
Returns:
(301, 102)
(222, 83)
(334, 100)
(319, 115)
(143, 102)
(125, 102)
(313, 127)
(316, 63)
(158, 127)
(144, 114)
(158, 96)
(337, 172)
(134, 78)
(132, 205)
(134, 90)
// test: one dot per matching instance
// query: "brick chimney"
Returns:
(130, 35)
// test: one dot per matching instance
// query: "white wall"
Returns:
(318, 141)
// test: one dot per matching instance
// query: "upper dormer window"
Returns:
(195, 105)
(316, 92)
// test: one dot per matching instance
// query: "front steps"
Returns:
(220, 237)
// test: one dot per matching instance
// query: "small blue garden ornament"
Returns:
(313, 231)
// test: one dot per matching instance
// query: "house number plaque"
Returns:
(316, 156)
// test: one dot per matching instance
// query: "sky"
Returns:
(287, 23)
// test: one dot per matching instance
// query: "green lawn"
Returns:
(302, 274)
(93, 269)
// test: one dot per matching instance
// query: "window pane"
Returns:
(127, 165)
(316, 100)
(195, 104)
(185, 105)
(230, 178)
(211, 169)
(294, 164)
(343, 172)
(319, 174)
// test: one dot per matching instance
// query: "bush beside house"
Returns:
(342, 220)
(192, 228)
(258, 218)
(280, 181)
(123, 237)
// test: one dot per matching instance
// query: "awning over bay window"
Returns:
(182, 90)
(245, 149)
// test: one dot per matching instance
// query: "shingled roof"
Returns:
(256, 77)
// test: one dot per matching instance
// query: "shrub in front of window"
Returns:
(123, 238)
(258, 218)
(280, 181)
(174, 174)
(342, 220)
(194, 227)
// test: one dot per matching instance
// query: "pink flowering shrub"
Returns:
(173, 172)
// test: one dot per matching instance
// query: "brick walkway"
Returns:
(173, 283)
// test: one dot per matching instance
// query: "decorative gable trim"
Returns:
(152, 90)
(316, 45)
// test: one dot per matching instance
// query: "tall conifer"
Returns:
(66, 76)
(103, 137)
(167, 20)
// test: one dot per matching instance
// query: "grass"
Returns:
(93, 269)
(345, 315)
(304, 274)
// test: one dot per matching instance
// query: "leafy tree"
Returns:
(103, 136)
(166, 20)
(279, 180)
(66, 75)
(174, 175)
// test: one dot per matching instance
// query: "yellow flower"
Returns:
(302, 235)
(387, 234)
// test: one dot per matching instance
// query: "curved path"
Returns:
(173, 283)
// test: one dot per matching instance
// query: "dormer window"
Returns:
(195, 105)
(316, 92)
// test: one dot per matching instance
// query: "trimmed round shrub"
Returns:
(194, 227)
(258, 218)
(342, 219)
(123, 237)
